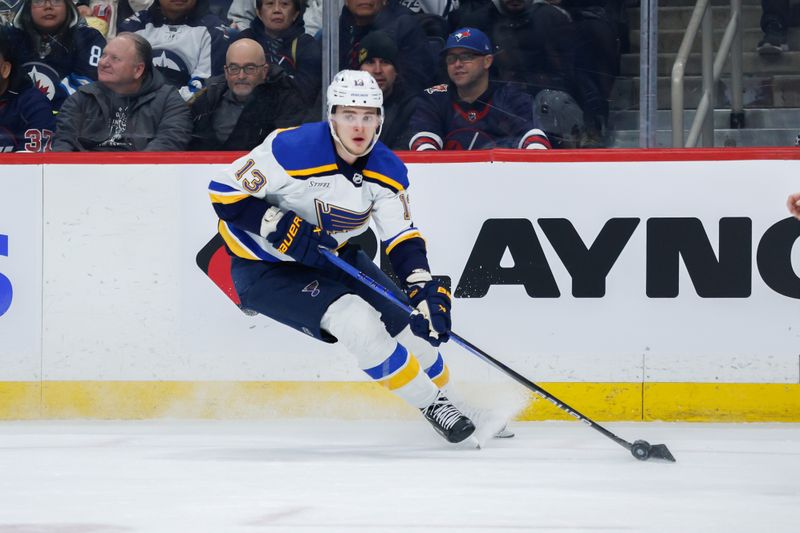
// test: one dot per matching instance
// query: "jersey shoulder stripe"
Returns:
(386, 169)
(305, 151)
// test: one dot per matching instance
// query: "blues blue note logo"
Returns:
(338, 219)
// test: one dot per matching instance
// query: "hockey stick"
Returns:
(640, 449)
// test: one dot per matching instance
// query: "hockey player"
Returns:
(319, 185)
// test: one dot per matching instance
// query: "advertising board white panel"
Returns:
(121, 241)
(20, 273)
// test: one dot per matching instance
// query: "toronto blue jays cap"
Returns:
(469, 38)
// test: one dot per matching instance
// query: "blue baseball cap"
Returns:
(469, 38)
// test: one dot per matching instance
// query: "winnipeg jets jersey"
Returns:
(297, 169)
(186, 54)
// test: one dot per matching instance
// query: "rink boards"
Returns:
(636, 285)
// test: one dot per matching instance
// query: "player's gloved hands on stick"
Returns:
(431, 300)
(300, 240)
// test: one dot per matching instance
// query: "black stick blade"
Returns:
(643, 451)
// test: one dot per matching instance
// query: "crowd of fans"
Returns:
(161, 75)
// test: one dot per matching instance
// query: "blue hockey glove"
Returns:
(431, 319)
(300, 240)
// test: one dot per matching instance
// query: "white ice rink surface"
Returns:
(391, 476)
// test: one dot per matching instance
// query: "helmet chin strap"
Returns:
(341, 144)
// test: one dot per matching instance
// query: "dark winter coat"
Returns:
(26, 118)
(534, 48)
(275, 104)
(299, 54)
(415, 59)
(158, 119)
(398, 109)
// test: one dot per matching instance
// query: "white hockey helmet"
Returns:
(356, 88)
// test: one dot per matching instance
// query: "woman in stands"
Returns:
(55, 48)
(280, 30)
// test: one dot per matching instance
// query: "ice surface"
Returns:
(391, 476)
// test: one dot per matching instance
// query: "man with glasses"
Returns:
(238, 110)
(473, 113)
(129, 108)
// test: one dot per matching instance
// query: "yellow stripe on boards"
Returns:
(693, 402)
(722, 402)
(404, 375)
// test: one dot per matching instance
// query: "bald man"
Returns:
(238, 110)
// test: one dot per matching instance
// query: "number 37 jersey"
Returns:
(298, 170)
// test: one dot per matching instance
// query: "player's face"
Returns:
(356, 127)
(119, 64)
(48, 15)
(245, 69)
(365, 8)
(277, 15)
(466, 68)
(383, 71)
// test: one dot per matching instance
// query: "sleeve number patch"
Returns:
(254, 184)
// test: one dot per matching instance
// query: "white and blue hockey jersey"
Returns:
(298, 169)
(186, 53)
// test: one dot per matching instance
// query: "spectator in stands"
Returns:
(793, 203)
(26, 116)
(775, 18)
(434, 16)
(473, 113)
(237, 111)
(280, 31)
(377, 56)
(242, 13)
(359, 17)
(54, 48)
(596, 64)
(534, 43)
(189, 43)
(130, 107)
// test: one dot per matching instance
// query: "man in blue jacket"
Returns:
(473, 113)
